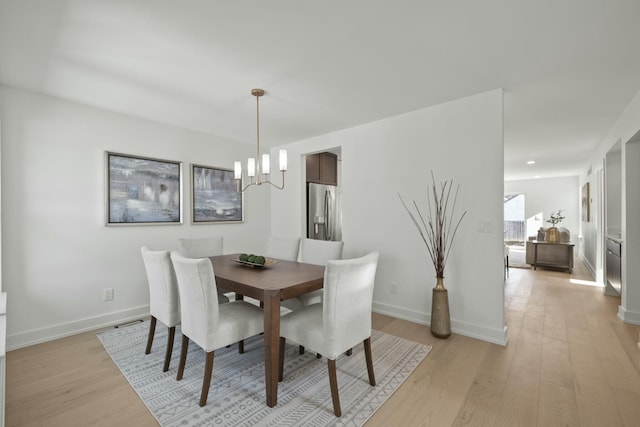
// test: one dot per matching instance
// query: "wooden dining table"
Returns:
(270, 285)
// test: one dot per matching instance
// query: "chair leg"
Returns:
(152, 331)
(241, 346)
(367, 355)
(167, 357)
(507, 265)
(183, 356)
(333, 382)
(301, 349)
(206, 382)
(283, 341)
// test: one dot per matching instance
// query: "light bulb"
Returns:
(251, 167)
(283, 160)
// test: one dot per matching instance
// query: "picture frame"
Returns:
(214, 196)
(142, 190)
(586, 210)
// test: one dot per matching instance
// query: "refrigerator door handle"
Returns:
(327, 215)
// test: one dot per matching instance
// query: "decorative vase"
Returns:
(553, 235)
(440, 320)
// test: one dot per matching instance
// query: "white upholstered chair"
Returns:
(204, 247)
(283, 248)
(205, 322)
(201, 247)
(340, 322)
(164, 303)
(317, 252)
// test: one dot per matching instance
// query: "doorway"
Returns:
(514, 221)
(323, 207)
(515, 228)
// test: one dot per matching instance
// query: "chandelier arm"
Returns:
(247, 186)
(281, 187)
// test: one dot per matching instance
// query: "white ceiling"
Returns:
(568, 67)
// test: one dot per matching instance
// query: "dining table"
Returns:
(276, 281)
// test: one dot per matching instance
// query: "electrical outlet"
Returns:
(107, 294)
(394, 288)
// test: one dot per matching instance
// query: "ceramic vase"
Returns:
(553, 235)
(440, 320)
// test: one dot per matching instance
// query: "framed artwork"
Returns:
(214, 196)
(586, 214)
(142, 190)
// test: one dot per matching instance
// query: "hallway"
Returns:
(569, 362)
(569, 344)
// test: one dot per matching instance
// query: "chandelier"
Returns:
(259, 173)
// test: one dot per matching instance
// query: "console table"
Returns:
(556, 255)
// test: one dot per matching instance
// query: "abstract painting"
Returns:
(143, 190)
(586, 214)
(214, 197)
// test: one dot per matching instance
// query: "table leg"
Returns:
(271, 344)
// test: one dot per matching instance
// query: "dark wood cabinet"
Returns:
(322, 168)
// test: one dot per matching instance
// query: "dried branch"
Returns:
(439, 226)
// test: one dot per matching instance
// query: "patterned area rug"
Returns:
(237, 393)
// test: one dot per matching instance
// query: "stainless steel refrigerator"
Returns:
(324, 218)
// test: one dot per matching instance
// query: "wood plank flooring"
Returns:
(570, 362)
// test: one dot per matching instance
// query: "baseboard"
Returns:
(37, 336)
(492, 335)
(627, 316)
(51, 333)
(402, 313)
(588, 265)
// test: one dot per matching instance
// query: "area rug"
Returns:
(237, 393)
(517, 257)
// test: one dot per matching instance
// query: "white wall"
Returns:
(613, 164)
(630, 304)
(548, 195)
(460, 140)
(624, 131)
(57, 254)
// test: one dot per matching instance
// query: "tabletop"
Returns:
(289, 277)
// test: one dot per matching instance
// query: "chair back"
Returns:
(164, 302)
(347, 300)
(201, 247)
(198, 297)
(283, 248)
(319, 251)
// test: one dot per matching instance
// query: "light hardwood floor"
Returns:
(569, 362)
